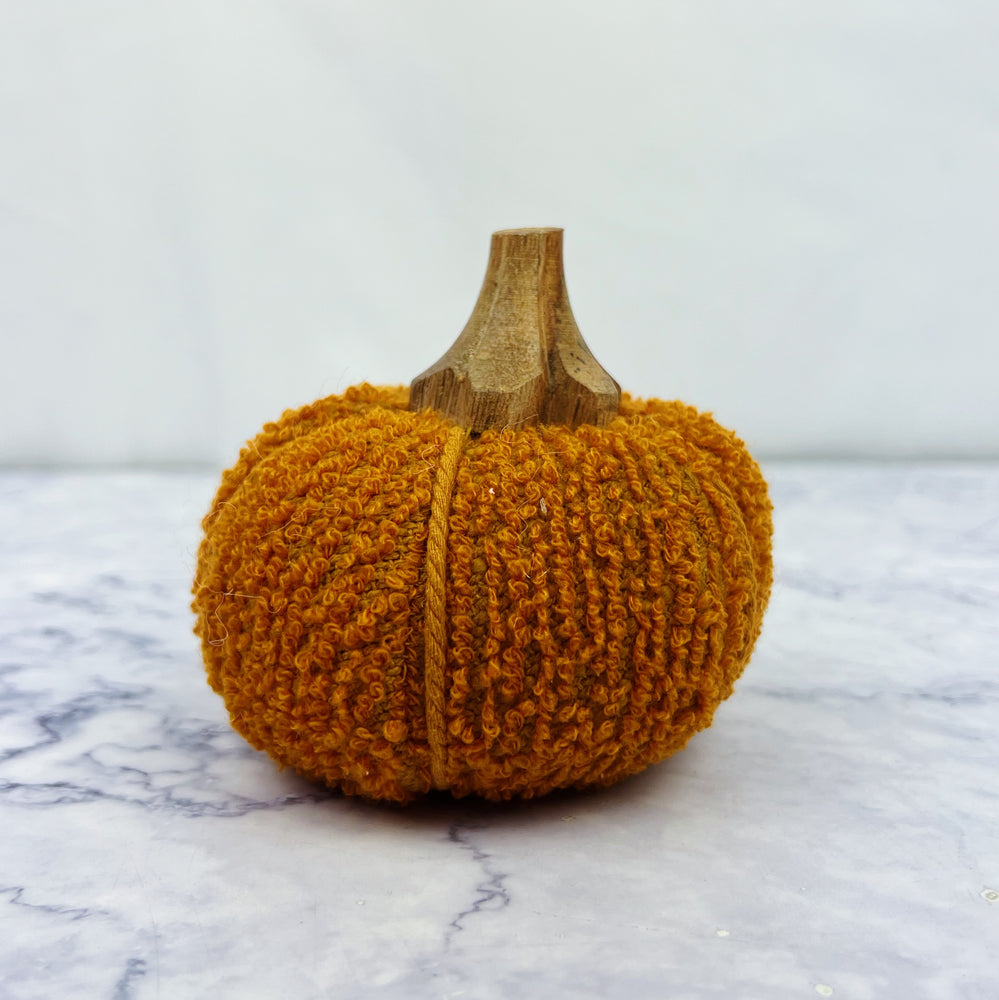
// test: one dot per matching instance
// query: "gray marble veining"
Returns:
(835, 833)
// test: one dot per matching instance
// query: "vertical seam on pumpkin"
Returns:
(434, 615)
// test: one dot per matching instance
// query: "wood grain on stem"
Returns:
(521, 359)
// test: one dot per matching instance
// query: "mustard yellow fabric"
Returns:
(603, 590)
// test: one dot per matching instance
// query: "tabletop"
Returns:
(835, 833)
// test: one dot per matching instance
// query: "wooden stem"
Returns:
(521, 359)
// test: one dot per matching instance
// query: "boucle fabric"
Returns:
(602, 590)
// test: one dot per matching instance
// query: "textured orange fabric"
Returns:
(603, 591)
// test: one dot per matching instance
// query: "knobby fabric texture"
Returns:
(602, 591)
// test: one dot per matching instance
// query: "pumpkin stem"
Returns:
(520, 359)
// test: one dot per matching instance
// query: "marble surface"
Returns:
(835, 833)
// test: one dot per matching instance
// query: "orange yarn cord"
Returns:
(435, 626)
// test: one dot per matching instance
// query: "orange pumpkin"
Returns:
(391, 602)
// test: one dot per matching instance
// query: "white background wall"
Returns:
(211, 210)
